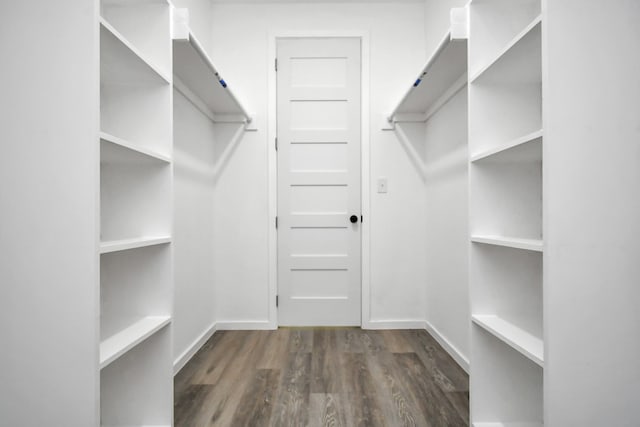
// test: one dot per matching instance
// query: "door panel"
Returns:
(319, 249)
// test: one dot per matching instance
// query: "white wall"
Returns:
(193, 237)
(194, 185)
(592, 161)
(446, 218)
(49, 171)
(240, 49)
(447, 223)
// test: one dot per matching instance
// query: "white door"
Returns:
(319, 182)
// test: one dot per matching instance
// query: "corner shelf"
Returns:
(121, 62)
(526, 344)
(117, 345)
(126, 244)
(509, 242)
(118, 150)
(524, 149)
(195, 75)
(524, 42)
(442, 76)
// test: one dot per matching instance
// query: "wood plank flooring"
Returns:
(329, 377)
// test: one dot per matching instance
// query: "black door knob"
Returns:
(353, 219)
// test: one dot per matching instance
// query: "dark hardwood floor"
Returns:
(322, 377)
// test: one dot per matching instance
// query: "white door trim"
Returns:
(365, 166)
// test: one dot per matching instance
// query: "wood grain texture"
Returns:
(325, 363)
(258, 399)
(327, 410)
(321, 377)
(292, 407)
(437, 408)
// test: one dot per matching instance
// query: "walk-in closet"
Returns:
(320, 213)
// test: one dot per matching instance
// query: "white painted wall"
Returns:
(592, 186)
(437, 21)
(240, 42)
(193, 236)
(194, 174)
(447, 223)
(446, 218)
(49, 224)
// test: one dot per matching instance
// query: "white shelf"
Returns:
(118, 150)
(120, 3)
(446, 66)
(524, 149)
(117, 345)
(194, 70)
(510, 242)
(527, 43)
(509, 424)
(528, 345)
(126, 244)
(122, 63)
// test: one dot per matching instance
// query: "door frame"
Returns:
(365, 150)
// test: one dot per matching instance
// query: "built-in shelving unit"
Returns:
(198, 79)
(443, 75)
(135, 141)
(505, 202)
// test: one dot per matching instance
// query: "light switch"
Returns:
(382, 184)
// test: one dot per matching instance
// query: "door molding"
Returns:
(365, 152)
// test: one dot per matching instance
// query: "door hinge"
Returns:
(276, 300)
(361, 219)
(276, 143)
(276, 222)
(276, 64)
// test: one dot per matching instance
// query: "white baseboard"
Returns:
(450, 348)
(182, 360)
(239, 325)
(394, 324)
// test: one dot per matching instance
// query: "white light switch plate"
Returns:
(382, 184)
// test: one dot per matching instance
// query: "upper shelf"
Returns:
(122, 63)
(519, 61)
(193, 69)
(446, 66)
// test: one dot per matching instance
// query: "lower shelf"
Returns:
(117, 345)
(126, 244)
(510, 242)
(511, 424)
(528, 345)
